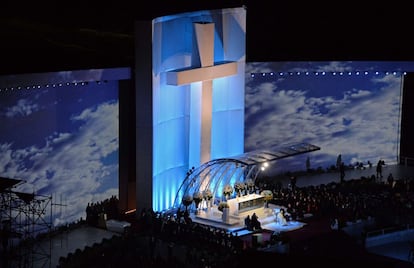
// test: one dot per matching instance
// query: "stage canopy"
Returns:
(274, 153)
(214, 175)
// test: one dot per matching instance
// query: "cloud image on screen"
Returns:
(347, 108)
(62, 141)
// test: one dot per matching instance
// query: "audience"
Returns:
(207, 246)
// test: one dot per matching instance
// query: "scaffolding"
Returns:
(24, 222)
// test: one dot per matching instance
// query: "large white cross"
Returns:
(204, 74)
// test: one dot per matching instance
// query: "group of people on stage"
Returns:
(252, 223)
(341, 167)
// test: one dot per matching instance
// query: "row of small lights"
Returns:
(322, 73)
(48, 86)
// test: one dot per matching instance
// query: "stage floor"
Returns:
(266, 216)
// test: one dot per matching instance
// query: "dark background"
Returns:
(48, 36)
(41, 36)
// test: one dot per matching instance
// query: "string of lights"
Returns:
(323, 73)
(79, 83)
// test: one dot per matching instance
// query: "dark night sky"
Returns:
(51, 36)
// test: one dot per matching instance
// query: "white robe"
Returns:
(280, 218)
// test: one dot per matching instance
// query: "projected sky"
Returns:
(62, 141)
(347, 108)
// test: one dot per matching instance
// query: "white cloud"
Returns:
(23, 107)
(70, 165)
(365, 120)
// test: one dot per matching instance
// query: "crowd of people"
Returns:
(106, 209)
(390, 203)
(157, 240)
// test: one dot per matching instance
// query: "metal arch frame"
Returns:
(249, 163)
(201, 173)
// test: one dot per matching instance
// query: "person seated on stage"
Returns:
(280, 217)
(248, 223)
(255, 222)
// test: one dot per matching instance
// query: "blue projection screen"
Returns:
(347, 108)
(59, 131)
(59, 135)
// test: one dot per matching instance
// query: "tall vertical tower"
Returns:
(192, 110)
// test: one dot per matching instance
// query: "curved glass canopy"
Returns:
(215, 174)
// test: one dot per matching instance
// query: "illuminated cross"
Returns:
(204, 74)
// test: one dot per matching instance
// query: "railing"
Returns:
(406, 161)
(389, 230)
(391, 234)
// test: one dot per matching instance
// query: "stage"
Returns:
(235, 223)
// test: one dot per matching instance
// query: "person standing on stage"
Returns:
(390, 180)
(248, 223)
(342, 172)
(255, 222)
(379, 169)
(308, 164)
(338, 161)
(293, 183)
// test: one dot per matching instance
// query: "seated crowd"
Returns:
(207, 246)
